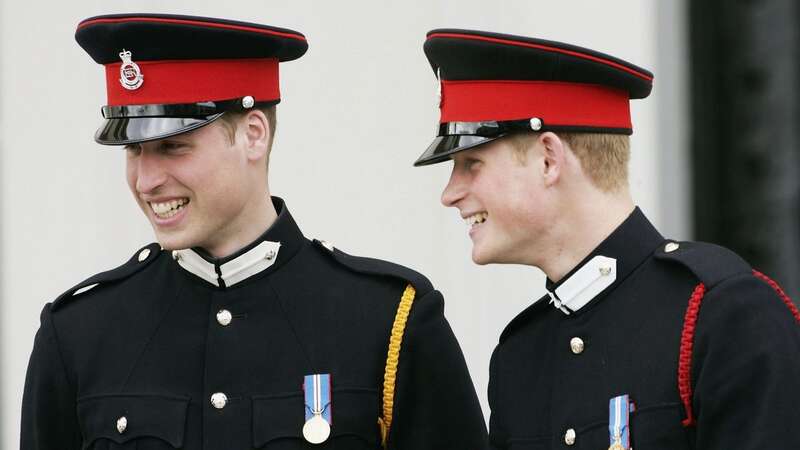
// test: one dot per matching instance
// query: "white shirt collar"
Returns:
(582, 286)
(249, 263)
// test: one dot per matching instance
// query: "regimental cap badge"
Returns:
(130, 76)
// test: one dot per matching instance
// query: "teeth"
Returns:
(476, 218)
(168, 209)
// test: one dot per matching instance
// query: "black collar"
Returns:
(629, 245)
(276, 246)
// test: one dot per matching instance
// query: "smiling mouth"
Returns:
(476, 219)
(165, 210)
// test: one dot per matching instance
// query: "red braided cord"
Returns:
(687, 340)
(685, 356)
(788, 301)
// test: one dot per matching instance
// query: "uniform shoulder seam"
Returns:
(373, 266)
(47, 315)
(711, 264)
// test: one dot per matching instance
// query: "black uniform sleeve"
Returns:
(496, 434)
(435, 402)
(49, 413)
(746, 368)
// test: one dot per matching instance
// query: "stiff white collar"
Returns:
(584, 285)
(249, 263)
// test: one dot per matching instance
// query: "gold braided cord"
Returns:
(392, 359)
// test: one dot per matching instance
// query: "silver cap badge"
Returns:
(130, 76)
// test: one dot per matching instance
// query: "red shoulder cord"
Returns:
(687, 340)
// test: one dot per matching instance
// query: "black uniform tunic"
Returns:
(147, 344)
(744, 361)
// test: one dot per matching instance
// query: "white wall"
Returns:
(357, 110)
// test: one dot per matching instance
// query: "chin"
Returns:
(483, 255)
(176, 241)
(481, 258)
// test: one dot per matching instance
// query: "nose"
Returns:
(455, 189)
(149, 173)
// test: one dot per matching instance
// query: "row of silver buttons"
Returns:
(224, 318)
(219, 399)
(577, 346)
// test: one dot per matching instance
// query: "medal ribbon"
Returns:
(619, 410)
(317, 389)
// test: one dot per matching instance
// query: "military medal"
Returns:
(617, 445)
(317, 390)
(619, 410)
(130, 76)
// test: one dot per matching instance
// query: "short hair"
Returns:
(230, 118)
(603, 157)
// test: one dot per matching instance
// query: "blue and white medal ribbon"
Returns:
(317, 390)
(619, 411)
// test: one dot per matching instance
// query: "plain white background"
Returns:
(357, 110)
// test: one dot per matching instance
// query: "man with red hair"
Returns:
(641, 341)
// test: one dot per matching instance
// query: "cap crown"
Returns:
(159, 37)
(169, 74)
(493, 84)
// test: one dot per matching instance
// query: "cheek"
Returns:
(198, 172)
(516, 203)
(498, 191)
(130, 174)
(220, 188)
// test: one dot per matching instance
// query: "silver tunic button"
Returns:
(224, 317)
(569, 437)
(175, 255)
(122, 424)
(144, 254)
(270, 255)
(671, 247)
(576, 345)
(219, 400)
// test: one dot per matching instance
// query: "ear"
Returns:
(554, 157)
(257, 135)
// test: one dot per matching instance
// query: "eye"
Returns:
(466, 163)
(133, 149)
(171, 147)
(472, 163)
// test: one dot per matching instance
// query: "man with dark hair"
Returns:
(641, 342)
(234, 331)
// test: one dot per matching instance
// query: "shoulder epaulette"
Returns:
(377, 267)
(523, 318)
(138, 261)
(710, 263)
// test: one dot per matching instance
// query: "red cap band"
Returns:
(193, 81)
(556, 103)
